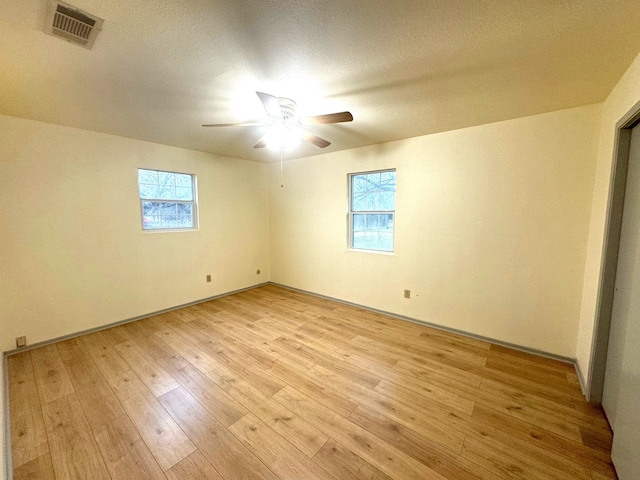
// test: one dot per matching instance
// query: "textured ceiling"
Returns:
(161, 68)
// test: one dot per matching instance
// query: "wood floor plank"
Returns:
(156, 378)
(193, 467)
(183, 314)
(116, 335)
(72, 348)
(166, 441)
(343, 464)
(158, 350)
(593, 414)
(317, 343)
(231, 305)
(278, 326)
(517, 410)
(28, 434)
(285, 313)
(256, 329)
(383, 359)
(500, 463)
(429, 392)
(297, 431)
(108, 361)
(51, 377)
(431, 336)
(381, 327)
(545, 420)
(448, 355)
(545, 464)
(157, 323)
(95, 340)
(219, 446)
(38, 468)
(221, 405)
(551, 389)
(553, 463)
(74, 452)
(454, 339)
(599, 476)
(599, 439)
(336, 336)
(592, 458)
(336, 401)
(411, 416)
(530, 358)
(283, 355)
(128, 385)
(336, 326)
(94, 393)
(378, 453)
(189, 350)
(301, 434)
(358, 375)
(573, 379)
(352, 356)
(418, 446)
(540, 374)
(125, 453)
(563, 407)
(419, 367)
(244, 367)
(205, 311)
(235, 329)
(286, 461)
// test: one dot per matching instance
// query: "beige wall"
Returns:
(491, 228)
(625, 94)
(72, 252)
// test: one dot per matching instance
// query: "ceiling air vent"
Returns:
(72, 24)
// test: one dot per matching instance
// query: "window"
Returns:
(167, 200)
(372, 205)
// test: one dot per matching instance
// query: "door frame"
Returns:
(609, 262)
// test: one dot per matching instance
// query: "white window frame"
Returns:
(193, 203)
(351, 212)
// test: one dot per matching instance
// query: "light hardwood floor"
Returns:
(271, 383)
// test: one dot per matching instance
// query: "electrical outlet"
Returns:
(208, 278)
(21, 342)
(407, 294)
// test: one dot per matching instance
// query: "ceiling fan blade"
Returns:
(310, 137)
(328, 118)
(247, 124)
(271, 104)
(263, 141)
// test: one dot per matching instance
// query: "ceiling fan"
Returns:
(283, 122)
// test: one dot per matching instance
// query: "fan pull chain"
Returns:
(281, 155)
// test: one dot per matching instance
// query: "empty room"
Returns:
(320, 239)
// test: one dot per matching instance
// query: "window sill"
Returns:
(378, 252)
(170, 230)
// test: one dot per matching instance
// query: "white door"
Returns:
(621, 396)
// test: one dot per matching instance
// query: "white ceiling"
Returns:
(161, 68)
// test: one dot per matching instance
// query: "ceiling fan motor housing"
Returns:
(288, 108)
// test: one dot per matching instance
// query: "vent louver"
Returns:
(72, 24)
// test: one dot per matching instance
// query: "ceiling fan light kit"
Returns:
(285, 127)
(281, 135)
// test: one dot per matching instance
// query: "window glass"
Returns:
(372, 203)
